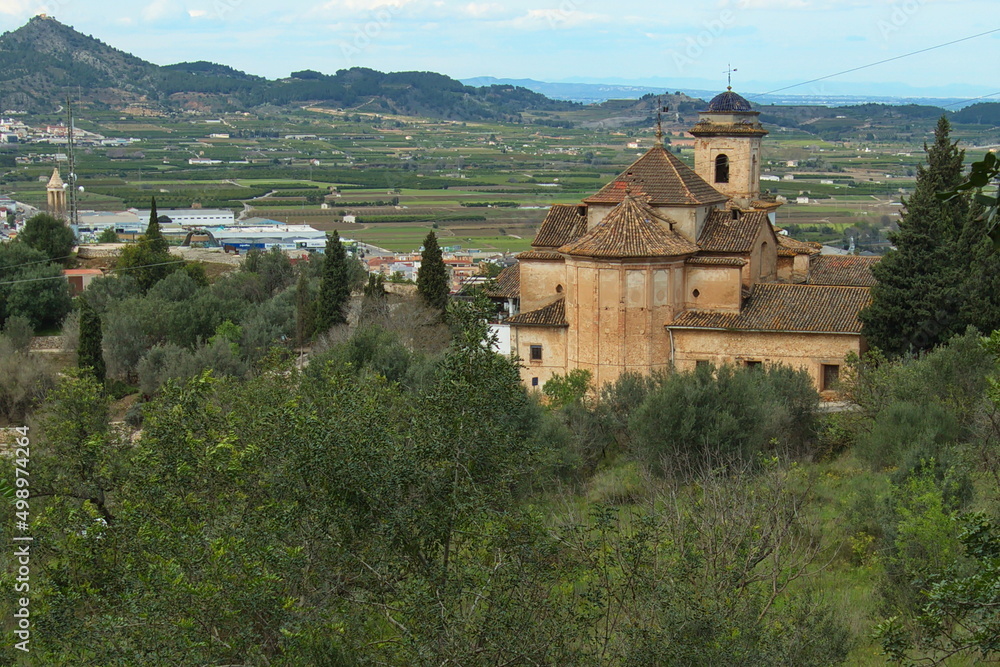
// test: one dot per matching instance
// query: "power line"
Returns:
(981, 97)
(63, 276)
(143, 266)
(880, 62)
(40, 261)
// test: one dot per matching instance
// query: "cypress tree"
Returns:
(432, 278)
(154, 237)
(981, 285)
(303, 310)
(90, 353)
(918, 300)
(334, 292)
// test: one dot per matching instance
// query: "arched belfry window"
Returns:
(722, 168)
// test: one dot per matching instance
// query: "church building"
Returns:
(672, 267)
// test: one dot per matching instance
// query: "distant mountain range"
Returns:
(44, 61)
(826, 94)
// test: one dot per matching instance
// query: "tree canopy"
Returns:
(31, 286)
(335, 289)
(432, 277)
(148, 260)
(924, 286)
(49, 235)
(90, 353)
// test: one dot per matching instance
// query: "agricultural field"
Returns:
(484, 184)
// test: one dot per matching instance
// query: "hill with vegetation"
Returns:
(44, 61)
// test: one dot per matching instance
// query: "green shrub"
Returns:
(904, 427)
(19, 332)
(25, 379)
(619, 485)
(729, 412)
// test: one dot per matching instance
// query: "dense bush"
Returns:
(25, 379)
(918, 406)
(18, 332)
(736, 412)
(31, 286)
(49, 235)
(171, 362)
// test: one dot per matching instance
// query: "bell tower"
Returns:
(727, 150)
(56, 196)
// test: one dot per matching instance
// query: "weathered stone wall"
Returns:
(102, 250)
(744, 155)
(541, 282)
(616, 312)
(798, 350)
(535, 374)
(719, 288)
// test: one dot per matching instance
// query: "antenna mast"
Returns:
(660, 110)
(71, 178)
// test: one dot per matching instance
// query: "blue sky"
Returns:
(771, 42)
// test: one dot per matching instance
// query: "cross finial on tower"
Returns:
(729, 75)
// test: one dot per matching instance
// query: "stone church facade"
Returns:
(669, 267)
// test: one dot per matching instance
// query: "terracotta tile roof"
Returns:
(716, 261)
(788, 308)
(706, 128)
(842, 270)
(722, 233)
(765, 205)
(552, 315)
(507, 285)
(631, 229)
(663, 179)
(562, 224)
(787, 243)
(539, 254)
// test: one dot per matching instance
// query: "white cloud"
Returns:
(197, 13)
(811, 4)
(480, 9)
(774, 4)
(547, 19)
(362, 5)
(163, 10)
(25, 7)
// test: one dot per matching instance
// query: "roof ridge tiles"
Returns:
(631, 230)
(662, 177)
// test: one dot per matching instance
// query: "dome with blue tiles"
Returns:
(728, 102)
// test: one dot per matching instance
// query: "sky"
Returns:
(771, 43)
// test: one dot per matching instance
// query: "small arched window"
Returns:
(722, 168)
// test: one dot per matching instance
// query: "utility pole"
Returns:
(71, 179)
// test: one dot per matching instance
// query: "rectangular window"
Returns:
(831, 376)
(755, 365)
(536, 353)
(701, 363)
